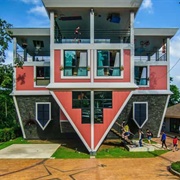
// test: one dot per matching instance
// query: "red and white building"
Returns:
(90, 70)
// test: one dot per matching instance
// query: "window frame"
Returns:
(134, 103)
(147, 75)
(39, 78)
(37, 103)
(62, 64)
(121, 64)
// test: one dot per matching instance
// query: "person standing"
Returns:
(149, 135)
(141, 135)
(175, 143)
(163, 139)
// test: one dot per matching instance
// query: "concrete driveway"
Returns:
(22, 151)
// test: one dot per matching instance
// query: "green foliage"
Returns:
(4, 38)
(7, 134)
(176, 166)
(7, 109)
(175, 97)
(6, 76)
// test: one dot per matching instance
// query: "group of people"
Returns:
(126, 133)
(149, 136)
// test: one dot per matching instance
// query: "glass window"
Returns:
(101, 100)
(81, 99)
(108, 63)
(42, 75)
(140, 74)
(140, 113)
(43, 114)
(75, 63)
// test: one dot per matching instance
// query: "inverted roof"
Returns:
(93, 3)
(173, 111)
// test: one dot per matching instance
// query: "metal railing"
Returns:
(150, 56)
(21, 56)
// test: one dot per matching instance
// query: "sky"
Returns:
(152, 14)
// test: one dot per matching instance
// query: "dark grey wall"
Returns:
(156, 105)
(27, 109)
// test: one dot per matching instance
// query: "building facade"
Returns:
(90, 71)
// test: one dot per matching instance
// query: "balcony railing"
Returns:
(21, 56)
(150, 56)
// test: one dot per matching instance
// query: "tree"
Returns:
(175, 97)
(7, 109)
(4, 39)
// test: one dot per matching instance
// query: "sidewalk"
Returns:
(91, 169)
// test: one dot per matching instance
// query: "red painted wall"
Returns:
(62, 116)
(158, 78)
(25, 79)
(108, 114)
(127, 63)
(57, 72)
(75, 114)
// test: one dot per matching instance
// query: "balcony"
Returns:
(43, 56)
(150, 56)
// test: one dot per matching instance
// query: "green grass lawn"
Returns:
(19, 140)
(176, 166)
(68, 152)
(119, 152)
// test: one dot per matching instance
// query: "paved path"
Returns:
(90, 169)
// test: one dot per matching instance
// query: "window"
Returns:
(42, 75)
(101, 100)
(75, 63)
(140, 75)
(108, 63)
(140, 113)
(81, 99)
(43, 114)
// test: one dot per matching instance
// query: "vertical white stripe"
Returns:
(91, 26)
(92, 120)
(168, 61)
(19, 117)
(132, 45)
(164, 113)
(51, 47)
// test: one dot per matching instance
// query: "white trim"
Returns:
(14, 56)
(154, 92)
(168, 61)
(97, 85)
(164, 113)
(121, 51)
(75, 77)
(91, 26)
(35, 72)
(134, 113)
(81, 46)
(92, 120)
(19, 117)
(31, 93)
(132, 46)
(70, 120)
(147, 75)
(113, 121)
(51, 47)
(37, 103)
(64, 120)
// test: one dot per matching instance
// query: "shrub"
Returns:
(7, 134)
(176, 166)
